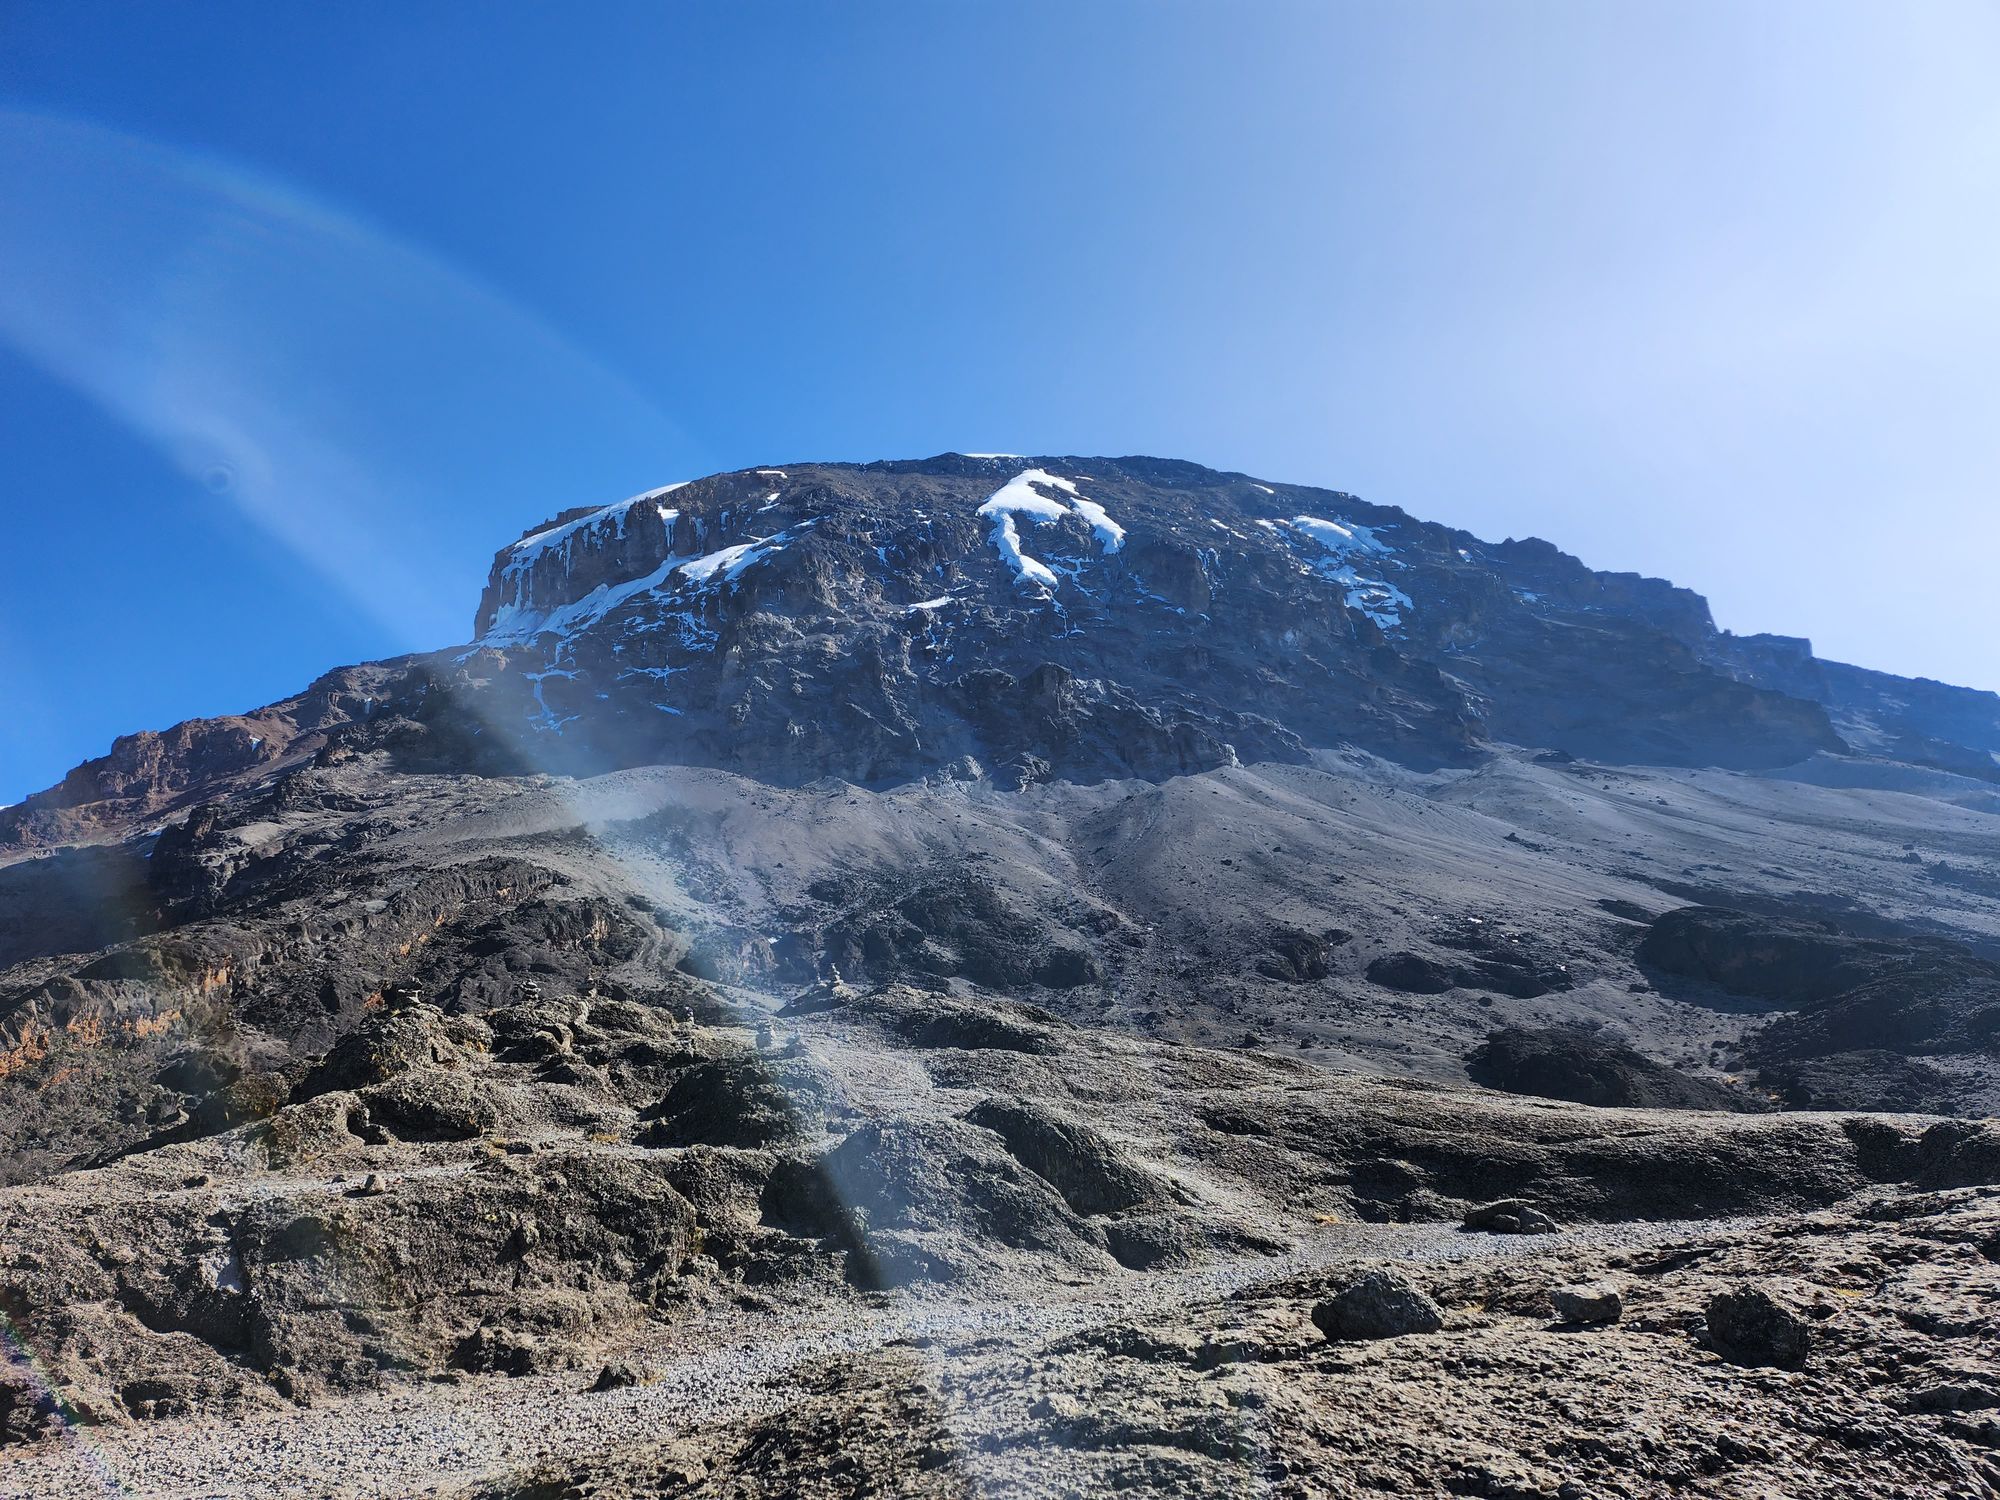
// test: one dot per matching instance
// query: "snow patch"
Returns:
(729, 562)
(1338, 538)
(531, 547)
(1008, 541)
(1110, 535)
(1020, 496)
(513, 624)
(1339, 544)
(524, 554)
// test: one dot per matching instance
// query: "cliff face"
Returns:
(1175, 615)
(1026, 619)
(1022, 619)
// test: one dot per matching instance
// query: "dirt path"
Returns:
(720, 1368)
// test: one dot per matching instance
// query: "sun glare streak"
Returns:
(247, 331)
(239, 344)
(20, 1354)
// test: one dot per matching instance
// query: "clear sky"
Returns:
(307, 309)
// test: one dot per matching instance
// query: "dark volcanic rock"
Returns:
(1852, 1000)
(149, 773)
(1412, 973)
(1746, 1326)
(1587, 1303)
(1081, 1164)
(1959, 1153)
(1377, 1304)
(1300, 957)
(375, 1039)
(910, 1185)
(868, 621)
(384, 1047)
(738, 1101)
(28, 1412)
(925, 1020)
(1870, 1078)
(1510, 1216)
(1588, 1068)
(617, 1376)
(949, 924)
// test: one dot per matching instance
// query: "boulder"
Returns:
(28, 1411)
(1377, 1304)
(431, 1104)
(386, 1045)
(1747, 1326)
(1587, 1067)
(919, 1190)
(735, 1101)
(1087, 1169)
(1588, 1302)
(617, 1375)
(504, 1351)
(1510, 1216)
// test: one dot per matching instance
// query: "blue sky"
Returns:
(305, 310)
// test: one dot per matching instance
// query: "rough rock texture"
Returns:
(1587, 1303)
(1377, 1305)
(869, 622)
(1589, 1068)
(1510, 1216)
(1221, 1397)
(1747, 1326)
(898, 1002)
(1855, 1013)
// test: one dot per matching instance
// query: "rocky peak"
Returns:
(1029, 617)
(884, 621)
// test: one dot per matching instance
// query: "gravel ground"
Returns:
(718, 1368)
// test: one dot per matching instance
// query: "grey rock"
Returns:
(1588, 1302)
(1076, 956)
(1080, 1163)
(1747, 1326)
(617, 1376)
(1411, 973)
(1510, 1216)
(1378, 1304)
(1588, 1068)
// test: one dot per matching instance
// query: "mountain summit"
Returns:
(1016, 620)
(1083, 617)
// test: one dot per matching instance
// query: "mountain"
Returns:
(1085, 886)
(1024, 620)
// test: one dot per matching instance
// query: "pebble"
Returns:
(723, 1367)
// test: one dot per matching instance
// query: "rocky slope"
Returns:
(856, 898)
(1020, 620)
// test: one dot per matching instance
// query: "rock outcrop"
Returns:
(1036, 618)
